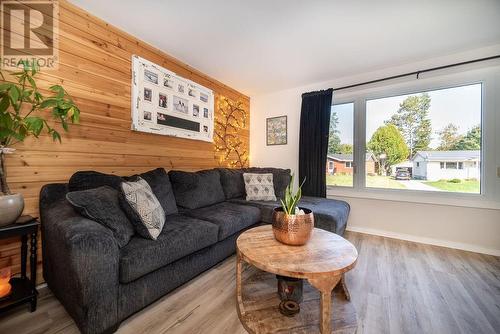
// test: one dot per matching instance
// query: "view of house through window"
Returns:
(340, 163)
(429, 141)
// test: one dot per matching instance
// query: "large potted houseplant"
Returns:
(25, 112)
(292, 225)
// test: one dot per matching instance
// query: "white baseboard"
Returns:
(424, 240)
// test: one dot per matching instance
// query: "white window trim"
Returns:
(489, 77)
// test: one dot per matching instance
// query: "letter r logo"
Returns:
(28, 28)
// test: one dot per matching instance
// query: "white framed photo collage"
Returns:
(165, 103)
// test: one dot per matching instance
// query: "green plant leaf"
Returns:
(64, 124)
(38, 97)
(4, 104)
(14, 93)
(75, 117)
(56, 136)
(283, 205)
(35, 125)
(48, 103)
(31, 81)
(64, 104)
(5, 87)
(59, 90)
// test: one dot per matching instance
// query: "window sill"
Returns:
(416, 196)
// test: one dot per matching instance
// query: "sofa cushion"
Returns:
(230, 217)
(197, 189)
(102, 205)
(181, 236)
(159, 182)
(329, 214)
(84, 180)
(281, 178)
(232, 182)
(142, 208)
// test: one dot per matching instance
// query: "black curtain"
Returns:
(313, 141)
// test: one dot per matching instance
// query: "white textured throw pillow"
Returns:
(143, 208)
(259, 187)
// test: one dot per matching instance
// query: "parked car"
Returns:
(403, 174)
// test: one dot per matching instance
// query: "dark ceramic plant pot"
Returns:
(11, 207)
(292, 229)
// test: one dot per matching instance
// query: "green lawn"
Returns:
(465, 186)
(371, 181)
(342, 180)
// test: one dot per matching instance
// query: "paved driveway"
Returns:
(417, 185)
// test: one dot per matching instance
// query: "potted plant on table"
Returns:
(24, 112)
(292, 225)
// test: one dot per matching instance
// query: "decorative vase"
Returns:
(292, 229)
(11, 207)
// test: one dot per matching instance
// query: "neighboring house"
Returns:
(407, 164)
(446, 165)
(343, 164)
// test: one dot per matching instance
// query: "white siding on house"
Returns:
(432, 171)
(435, 172)
(419, 168)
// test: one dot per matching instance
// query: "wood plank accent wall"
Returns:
(95, 68)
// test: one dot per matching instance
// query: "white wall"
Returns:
(465, 227)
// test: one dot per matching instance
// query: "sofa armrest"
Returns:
(80, 264)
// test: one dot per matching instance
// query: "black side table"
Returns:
(23, 288)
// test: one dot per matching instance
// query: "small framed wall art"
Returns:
(276, 130)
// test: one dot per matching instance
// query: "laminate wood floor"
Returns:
(396, 287)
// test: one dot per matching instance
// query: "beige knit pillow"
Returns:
(259, 187)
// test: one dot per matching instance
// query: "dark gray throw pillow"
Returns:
(159, 182)
(84, 180)
(197, 189)
(232, 182)
(143, 208)
(102, 205)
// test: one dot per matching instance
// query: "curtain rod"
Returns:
(417, 73)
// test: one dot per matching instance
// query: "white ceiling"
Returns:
(259, 46)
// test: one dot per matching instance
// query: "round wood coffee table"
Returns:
(321, 262)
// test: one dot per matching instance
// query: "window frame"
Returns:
(488, 198)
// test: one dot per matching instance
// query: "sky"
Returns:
(459, 105)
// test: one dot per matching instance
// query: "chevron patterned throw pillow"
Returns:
(259, 187)
(142, 208)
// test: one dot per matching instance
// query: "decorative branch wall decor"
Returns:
(230, 150)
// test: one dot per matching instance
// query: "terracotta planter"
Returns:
(292, 229)
(11, 207)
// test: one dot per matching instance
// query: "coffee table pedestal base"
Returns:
(258, 307)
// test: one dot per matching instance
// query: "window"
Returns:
(425, 126)
(340, 146)
(451, 165)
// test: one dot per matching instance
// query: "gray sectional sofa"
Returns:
(101, 284)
